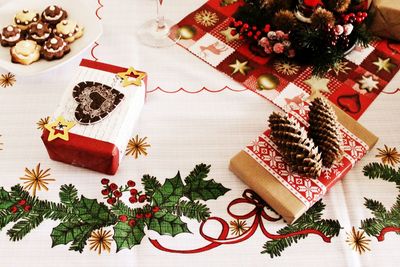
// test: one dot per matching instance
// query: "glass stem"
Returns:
(160, 16)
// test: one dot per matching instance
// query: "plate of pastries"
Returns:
(38, 36)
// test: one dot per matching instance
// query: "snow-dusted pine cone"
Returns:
(298, 150)
(325, 132)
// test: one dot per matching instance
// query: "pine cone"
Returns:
(321, 18)
(339, 6)
(324, 131)
(284, 20)
(298, 150)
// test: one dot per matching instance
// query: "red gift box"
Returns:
(82, 148)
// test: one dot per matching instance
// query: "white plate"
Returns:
(77, 11)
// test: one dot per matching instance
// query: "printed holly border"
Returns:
(159, 208)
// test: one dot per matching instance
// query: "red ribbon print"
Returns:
(258, 214)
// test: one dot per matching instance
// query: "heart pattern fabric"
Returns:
(95, 101)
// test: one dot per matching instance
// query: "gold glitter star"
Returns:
(340, 67)
(128, 80)
(286, 67)
(137, 146)
(7, 80)
(240, 67)
(385, 65)
(228, 35)
(59, 129)
(42, 122)
(238, 227)
(368, 83)
(317, 85)
(206, 18)
(36, 179)
(358, 241)
(388, 155)
(100, 240)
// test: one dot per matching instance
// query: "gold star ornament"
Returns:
(385, 65)
(59, 129)
(358, 241)
(127, 78)
(389, 155)
(240, 67)
(317, 85)
(228, 35)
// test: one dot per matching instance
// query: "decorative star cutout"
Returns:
(240, 67)
(128, 80)
(317, 85)
(228, 35)
(385, 65)
(59, 129)
(368, 83)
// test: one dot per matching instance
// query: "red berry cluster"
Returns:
(247, 31)
(21, 205)
(112, 192)
(140, 214)
(358, 17)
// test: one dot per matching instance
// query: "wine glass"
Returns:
(156, 32)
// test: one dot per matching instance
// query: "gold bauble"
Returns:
(186, 32)
(267, 82)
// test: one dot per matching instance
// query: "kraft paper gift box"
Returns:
(262, 168)
(101, 105)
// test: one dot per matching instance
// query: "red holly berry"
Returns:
(142, 198)
(123, 218)
(105, 181)
(156, 209)
(117, 193)
(131, 183)
(254, 28)
(105, 192)
(359, 19)
(13, 209)
(267, 28)
(22, 202)
(111, 201)
(246, 26)
(240, 23)
(233, 32)
(133, 192)
(132, 200)
(113, 187)
(148, 215)
(132, 222)
(27, 208)
(139, 215)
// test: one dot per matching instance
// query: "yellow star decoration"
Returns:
(317, 85)
(59, 129)
(206, 18)
(127, 80)
(137, 146)
(42, 122)
(240, 67)
(238, 227)
(385, 65)
(100, 240)
(389, 155)
(228, 35)
(358, 241)
(36, 179)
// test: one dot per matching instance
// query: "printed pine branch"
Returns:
(151, 184)
(380, 171)
(68, 195)
(199, 173)
(192, 210)
(24, 226)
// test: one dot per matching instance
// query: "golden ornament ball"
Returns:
(267, 82)
(186, 32)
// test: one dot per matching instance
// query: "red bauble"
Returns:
(312, 3)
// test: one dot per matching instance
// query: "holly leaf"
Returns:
(5, 200)
(126, 236)
(164, 222)
(170, 192)
(68, 195)
(94, 213)
(68, 232)
(204, 190)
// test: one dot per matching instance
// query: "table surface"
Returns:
(193, 115)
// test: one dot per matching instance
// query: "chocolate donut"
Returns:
(55, 48)
(11, 35)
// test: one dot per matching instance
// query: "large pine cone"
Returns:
(298, 150)
(325, 132)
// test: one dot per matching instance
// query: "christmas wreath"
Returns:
(315, 32)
